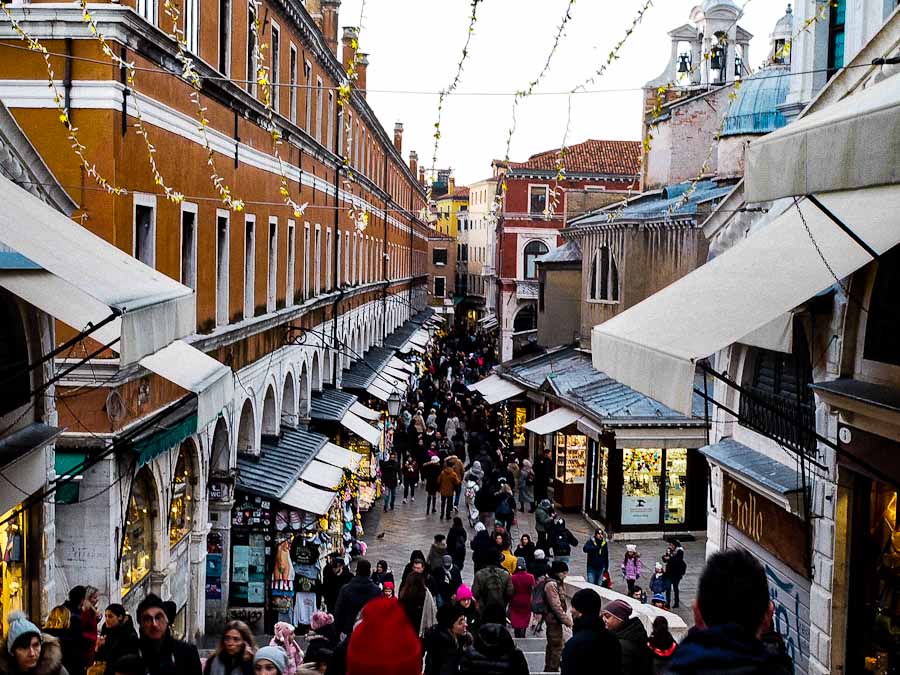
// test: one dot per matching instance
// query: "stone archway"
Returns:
(270, 422)
(246, 437)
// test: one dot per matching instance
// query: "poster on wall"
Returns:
(240, 564)
(640, 510)
(213, 565)
(213, 589)
(256, 592)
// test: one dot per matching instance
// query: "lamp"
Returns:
(393, 403)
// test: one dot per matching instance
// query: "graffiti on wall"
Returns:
(787, 617)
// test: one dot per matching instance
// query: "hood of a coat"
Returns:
(493, 640)
(49, 663)
(632, 631)
(723, 647)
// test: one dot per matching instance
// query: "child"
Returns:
(631, 567)
(658, 582)
(284, 638)
(388, 589)
(661, 645)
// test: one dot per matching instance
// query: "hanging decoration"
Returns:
(359, 218)
(59, 100)
(263, 81)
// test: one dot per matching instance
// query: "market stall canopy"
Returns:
(399, 364)
(420, 337)
(321, 474)
(553, 421)
(24, 462)
(340, 457)
(279, 464)
(83, 279)
(361, 428)
(375, 389)
(304, 497)
(400, 375)
(330, 405)
(364, 412)
(193, 370)
(653, 347)
(862, 130)
(412, 346)
(495, 389)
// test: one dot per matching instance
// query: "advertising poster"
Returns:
(640, 510)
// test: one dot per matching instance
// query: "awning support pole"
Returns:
(843, 226)
(61, 374)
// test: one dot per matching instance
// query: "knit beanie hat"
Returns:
(521, 563)
(539, 554)
(384, 642)
(320, 619)
(464, 593)
(19, 627)
(619, 609)
(587, 601)
(447, 562)
(558, 566)
(273, 654)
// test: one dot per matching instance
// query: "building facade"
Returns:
(476, 260)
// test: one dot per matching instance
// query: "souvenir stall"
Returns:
(568, 446)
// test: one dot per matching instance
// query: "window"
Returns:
(182, 496)
(337, 260)
(145, 229)
(331, 120)
(252, 64)
(249, 265)
(781, 55)
(147, 9)
(526, 319)
(340, 135)
(533, 250)
(189, 245)
(272, 284)
(328, 259)
(440, 284)
(318, 283)
(222, 266)
(275, 75)
(225, 36)
(307, 80)
(306, 270)
(836, 24)
(138, 544)
(292, 113)
(192, 25)
(347, 278)
(604, 282)
(291, 257)
(319, 109)
(537, 199)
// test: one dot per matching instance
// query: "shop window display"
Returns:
(676, 485)
(137, 546)
(518, 430)
(182, 499)
(252, 518)
(641, 469)
(13, 590)
(571, 458)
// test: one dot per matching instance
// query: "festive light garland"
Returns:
(59, 100)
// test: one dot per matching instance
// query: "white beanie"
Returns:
(19, 626)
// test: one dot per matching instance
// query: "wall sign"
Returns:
(766, 524)
(640, 510)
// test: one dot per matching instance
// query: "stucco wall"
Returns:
(560, 320)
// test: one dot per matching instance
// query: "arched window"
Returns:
(604, 276)
(883, 319)
(526, 319)
(533, 250)
(137, 546)
(182, 509)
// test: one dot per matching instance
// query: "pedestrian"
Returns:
(658, 600)
(322, 627)
(631, 635)
(526, 487)
(659, 583)
(418, 602)
(456, 542)
(475, 474)
(541, 566)
(334, 577)
(437, 552)
(486, 501)
(416, 564)
(410, 478)
(443, 643)
(317, 659)
(430, 473)
(388, 589)
(676, 568)
(234, 656)
(493, 651)
(452, 425)
(57, 625)
(382, 573)
(483, 547)
(447, 482)
(513, 472)
(383, 643)
(418, 421)
(556, 613)
(561, 541)
(493, 585)
(526, 549)
(632, 567)
(161, 652)
(543, 518)
(466, 601)
(733, 615)
(390, 478)
(285, 639)
(591, 643)
(76, 653)
(456, 464)
(543, 475)
(118, 637)
(444, 581)
(25, 650)
(270, 661)
(90, 623)
(504, 506)
(354, 596)
(661, 645)
(597, 549)
(520, 603)
(129, 665)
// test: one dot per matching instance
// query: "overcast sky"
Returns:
(414, 46)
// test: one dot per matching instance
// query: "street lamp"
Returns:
(393, 403)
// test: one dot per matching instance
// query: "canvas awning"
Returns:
(653, 346)
(361, 428)
(495, 389)
(863, 130)
(83, 279)
(304, 497)
(366, 413)
(400, 375)
(340, 457)
(24, 462)
(415, 348)
(552, 421)
(193, 370)
(375, 390)
(323, 475)
(420, 337)
(399, 364)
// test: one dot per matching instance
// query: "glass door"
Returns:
(641, 488)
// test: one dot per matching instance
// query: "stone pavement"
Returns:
(408, 528)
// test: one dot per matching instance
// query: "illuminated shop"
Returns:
(569, 461)
(138, 544)
(16, 552)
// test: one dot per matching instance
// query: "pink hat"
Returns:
(320, 619)
(464, 593)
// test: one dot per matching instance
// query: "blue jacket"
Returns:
(728, 650)
(598, 554)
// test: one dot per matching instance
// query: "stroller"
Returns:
(471, 488)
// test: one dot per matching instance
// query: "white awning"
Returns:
(84, 279)
(863, 130)
(378, 392)
(339, 457)
(495, 389)
(324, 475)
(394, 362)
(653, 346)
(193, 370)
(366, 413)
(416, 348)
(400, 375)
(305, 497)
(420, 337)
(552, 421)
(362, 429)
(388, 382)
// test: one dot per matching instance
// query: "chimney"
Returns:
(413, 162)
(351, 33)
(361, 68)
(314, 7)
(398, 137)
(329, 22)
(422, 176)
(451, 185)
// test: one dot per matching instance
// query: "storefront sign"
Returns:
(640, 510)
(765, 523)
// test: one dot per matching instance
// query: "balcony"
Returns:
(527, 289)
(793, 425)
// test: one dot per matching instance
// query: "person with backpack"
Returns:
(520, 604)
(555, 612)
(493, 585)
(505, 509)
(591, 643)
(675, 570)
(561, 541)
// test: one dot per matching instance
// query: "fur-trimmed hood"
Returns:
(50, 662)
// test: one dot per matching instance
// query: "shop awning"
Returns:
(305, 497)
(863, 130)
(279, 464)
(23, 462)
(330, 405)
(195, 371)
(420, 337)
(495, 389)
(375, 390)
(340, 457)
(362, 429)
(83, 279)
(170, 429)
(553, 421)
(400, 375)
(401, 365)
(653, 346)
(366, 413)
(68, 465)
(323, 475)
(412, 346)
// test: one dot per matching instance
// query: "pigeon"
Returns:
(380, 536)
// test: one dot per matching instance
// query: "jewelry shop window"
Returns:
(571, 458)
(182, 507)
(137, 547)
(641, 469)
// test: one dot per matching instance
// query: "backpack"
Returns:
(538, 599)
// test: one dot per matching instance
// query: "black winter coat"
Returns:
(493, 653)
(120, 641)
(456, 544)
(729, 650)
(170, 657)
(442, 652)
(352, 598)
(633, 641)
(562, 541)
(430, 472)
(484, 550)
(592, 650)
(332, 584)
(390, 473)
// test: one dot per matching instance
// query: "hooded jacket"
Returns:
(542, 518)
(49, 663)
(120, 641)
(729, 650)
(352, 598)
(442, 651)
(591, 645)
(493, 653)
(436, 556)
(633, 641)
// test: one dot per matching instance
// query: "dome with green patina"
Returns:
(755, 110)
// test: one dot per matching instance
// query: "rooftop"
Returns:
(592, 156)
(755, 109)
(570, 252)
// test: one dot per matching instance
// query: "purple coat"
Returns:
(632, 568)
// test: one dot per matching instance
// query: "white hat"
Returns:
(631, 548)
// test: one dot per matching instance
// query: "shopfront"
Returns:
(20, 550)
(570, 463)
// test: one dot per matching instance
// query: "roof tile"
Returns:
(592, 156)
